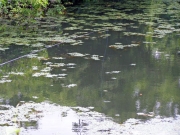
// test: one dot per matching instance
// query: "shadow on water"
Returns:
(128, 67)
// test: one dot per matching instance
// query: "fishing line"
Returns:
(46, 47)
(102, 68)
(107, 40)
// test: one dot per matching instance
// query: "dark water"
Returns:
(117, 82)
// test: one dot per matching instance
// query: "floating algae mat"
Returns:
(47, 118)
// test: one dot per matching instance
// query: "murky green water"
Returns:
(122, 61)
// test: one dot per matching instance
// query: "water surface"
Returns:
(121, 60)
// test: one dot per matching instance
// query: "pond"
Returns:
(113, 61)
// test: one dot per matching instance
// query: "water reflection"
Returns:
(119, 82)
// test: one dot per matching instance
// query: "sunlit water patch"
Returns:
(45, 118)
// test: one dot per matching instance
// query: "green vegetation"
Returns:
(14, 8)
(30, 7)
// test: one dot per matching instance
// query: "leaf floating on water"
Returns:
(105, 35)
(74, 44)
(90, 107)
(117, 115)
(34, 68)
(32, 56)
(108, 72)
(69, 86)
(149, 23)
(93, 38)
(51, 75)
(38, 45)
(40, 74)
(73, 28)
(63, 69)
(176, 30)
(113, 72)
(135, 27)
(5, 76)
(66, 34)
(42, 58)
(161, 33)
(120, 46)
(133, 45)
(76, 54)
(62, 75)
(167, 55)
(106, 101)
(118, 28)
(57, 65)
(71, 67)
(118, 43)
(168, 26)
(34, 51)
(35, 97)
(71, 64)
(58, 58)
(95, 57)
(46, 69)
(150, 114)
(5, 80)
(133, 34)
(79, 42)
(48, 63)
(17, 73)
(117, 46)
(3, 49)
(62, 39)
(149, 42)
(133, 64)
